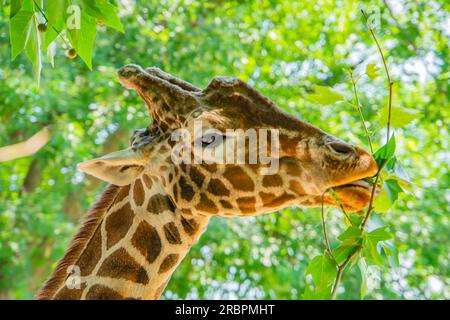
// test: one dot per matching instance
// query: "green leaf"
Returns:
(392, 189)
(19, 31)
(16, 6)
(372, 71)
(105, 11)
(33, 50)
(325, 95)
(351, 236)
(380, 234)
(82, 39)
(344, 250)
(385, 153)
(391, 253)
(363, 269)
(382, 203)
(370, 244)
(56, 15)
(323, 271)
(356, 218)
(400, 116)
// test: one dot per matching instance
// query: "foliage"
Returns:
(288, 50)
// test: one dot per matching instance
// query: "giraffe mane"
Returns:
(79, 242)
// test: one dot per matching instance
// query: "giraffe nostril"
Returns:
(341, 148)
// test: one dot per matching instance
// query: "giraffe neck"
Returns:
(135, 241)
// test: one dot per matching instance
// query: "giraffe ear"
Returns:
(119, 168)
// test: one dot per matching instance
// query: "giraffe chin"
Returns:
(354, 196)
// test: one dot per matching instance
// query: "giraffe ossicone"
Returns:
(156, 208)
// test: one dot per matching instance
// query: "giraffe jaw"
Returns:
(355, 195)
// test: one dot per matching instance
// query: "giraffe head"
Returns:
(202, 146)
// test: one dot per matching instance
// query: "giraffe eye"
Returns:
(211, 139)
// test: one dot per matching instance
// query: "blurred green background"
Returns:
(280, 47)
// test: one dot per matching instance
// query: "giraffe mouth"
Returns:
(355, 195)
(358, 184)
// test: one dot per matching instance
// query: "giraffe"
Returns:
(155, 209)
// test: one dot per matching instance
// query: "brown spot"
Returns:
(292, 167)
(212, 167)
(187, 192)
(216, 187)
(147, 241)
(295, 186)
(206, 205)
(123, 193)
(138, 193)
(279, 201)
(308, 178)
(159, 203)
(99, 292)
(266, 198)
(147, 180)
(196, 176)
(226, 204)
(170, 177)
(272, 181)
(246, 204)
(186, 211)
(189, 226)
(168, 263)
(238, 178)
(118, 223)
(172, 234)
(121, 265)
(70, 294)
(91, 255)
(288, 145)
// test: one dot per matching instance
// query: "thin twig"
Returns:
(377, 177)
(341, 269)
(46, 21)
(325, 235)
(358, 106)
(336, 198)
(387, 74)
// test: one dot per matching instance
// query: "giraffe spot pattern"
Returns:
(147, 180)
(206, 205)
(168, 263)
(91, 255)
(246, 204)
(147, 241)
(266, 198)
(138, 193)
(239, 179)
(70, 294)
(121, 265)
(226, 204)
(160, 203)
(118, 223)
(171, 233)
(216, 187)
(189, 226)
(187, 192)
(196, 176)
(272, 181)
(123, 193)
(296, 187)
(100, 292)
(279, 201)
